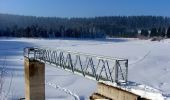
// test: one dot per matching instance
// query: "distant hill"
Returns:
(125, 26)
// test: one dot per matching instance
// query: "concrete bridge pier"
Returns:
(34, 79)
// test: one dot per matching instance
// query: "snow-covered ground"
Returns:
(149, 64)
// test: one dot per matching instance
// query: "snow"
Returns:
(75, 96)
(148, 65)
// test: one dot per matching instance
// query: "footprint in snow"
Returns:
(162, 84)
(166, 69)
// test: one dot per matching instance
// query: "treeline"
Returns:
(37, 31)
(97, 27)
(155, 32)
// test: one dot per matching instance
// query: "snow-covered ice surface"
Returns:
(149, 64)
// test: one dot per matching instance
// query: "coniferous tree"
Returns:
(163, 31)
(144, 32)
(159, 32)
(168, 33)
(153, 32)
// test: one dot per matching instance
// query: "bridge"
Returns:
(96, 67)
(99, 68)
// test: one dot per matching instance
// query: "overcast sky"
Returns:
(85, 8)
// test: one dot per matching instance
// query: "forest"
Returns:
(91, 27)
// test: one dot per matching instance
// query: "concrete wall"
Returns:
(114, 93)
(97, 96)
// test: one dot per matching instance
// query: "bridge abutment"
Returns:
(108, 92)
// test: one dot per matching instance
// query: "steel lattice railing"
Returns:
(91, 66)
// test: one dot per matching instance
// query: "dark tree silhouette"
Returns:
(153, 32)
(168, 33)
(144, 32)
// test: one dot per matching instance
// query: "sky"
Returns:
(85, 8)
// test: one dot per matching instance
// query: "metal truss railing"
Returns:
(92, 66)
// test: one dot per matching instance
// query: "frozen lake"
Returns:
(149, 64)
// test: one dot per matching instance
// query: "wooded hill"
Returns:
(96, 27)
